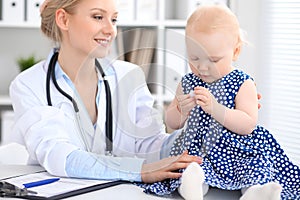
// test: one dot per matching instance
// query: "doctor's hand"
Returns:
(167, 168)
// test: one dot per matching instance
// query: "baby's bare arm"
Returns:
(179, 109)
(241, 120)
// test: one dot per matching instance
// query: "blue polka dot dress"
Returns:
(230, 161)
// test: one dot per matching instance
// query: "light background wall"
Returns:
(23, 42)
(15, 43)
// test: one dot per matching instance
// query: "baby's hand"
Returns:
(192, 93)
(186, 103)
(204, 99)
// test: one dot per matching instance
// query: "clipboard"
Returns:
(75, 192)
(66, 187)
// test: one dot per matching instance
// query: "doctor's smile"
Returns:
(103, 42)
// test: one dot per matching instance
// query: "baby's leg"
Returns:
(269, 191)
(192, 187)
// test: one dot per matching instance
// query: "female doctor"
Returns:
(66, 108)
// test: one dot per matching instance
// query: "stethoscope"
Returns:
(108, 122)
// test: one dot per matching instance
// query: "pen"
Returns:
(41, 182)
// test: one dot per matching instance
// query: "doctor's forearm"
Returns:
(83, 164)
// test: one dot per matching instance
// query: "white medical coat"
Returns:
(51, 133)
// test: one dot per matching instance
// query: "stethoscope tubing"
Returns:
(108, 122)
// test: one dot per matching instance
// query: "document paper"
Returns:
(64, 185)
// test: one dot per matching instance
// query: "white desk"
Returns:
(118, 192)
(132, 192)
(113, 193)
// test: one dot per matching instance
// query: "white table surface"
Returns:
(124, 191)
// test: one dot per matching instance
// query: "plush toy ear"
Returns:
(62, 19)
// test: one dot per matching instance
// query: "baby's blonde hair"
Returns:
(48, 12)
(211, 18)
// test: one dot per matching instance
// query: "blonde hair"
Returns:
(210, 18)
(48, 12)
